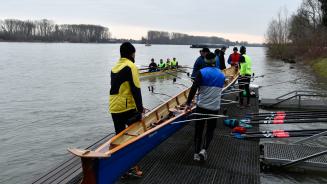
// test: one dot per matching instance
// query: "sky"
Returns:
(242, 20)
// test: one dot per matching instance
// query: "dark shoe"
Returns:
(248, 105)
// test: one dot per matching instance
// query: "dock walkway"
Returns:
(229, 160)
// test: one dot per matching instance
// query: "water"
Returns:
(55, 96)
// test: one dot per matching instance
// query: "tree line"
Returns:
(163, 37)
(47, 31)
(301, 35)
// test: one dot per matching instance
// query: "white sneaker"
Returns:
(196, 157)
(203, 154)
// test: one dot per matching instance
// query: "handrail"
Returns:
(298, 91)
(299, 99)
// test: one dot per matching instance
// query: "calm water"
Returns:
(55, 96)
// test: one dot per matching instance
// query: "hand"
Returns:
(187, 108)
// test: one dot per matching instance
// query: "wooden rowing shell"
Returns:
(146, 74)
(113, 158)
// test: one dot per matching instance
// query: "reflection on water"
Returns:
(55, 96)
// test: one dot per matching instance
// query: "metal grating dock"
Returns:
(278, 154)
(229, 160)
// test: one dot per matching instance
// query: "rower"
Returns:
(245, 76)
(168, 64)
(174, 63)
(153, 66)
(234, 58)
(209, 81)
(125, 101)
(162, 65)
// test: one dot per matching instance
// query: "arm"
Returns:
(229, 59)
(196, 68)
(194, 88)
(134, 83)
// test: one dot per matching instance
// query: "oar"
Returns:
(278, 131)
(271, 116)
(285, 112)
(289, 117)
(276, 135)
(287, 121)
(199, 119)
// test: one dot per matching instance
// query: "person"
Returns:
(234, 58)
(200, 63)
(222, 65)
(153, 66)
(217, 53)
(245, 76)
(174, 63)
(162, 65)
(168, 64)
(209, 82)
(125, 101)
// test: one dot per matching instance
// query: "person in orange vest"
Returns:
(234, 58)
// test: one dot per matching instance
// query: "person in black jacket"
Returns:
(222, 65)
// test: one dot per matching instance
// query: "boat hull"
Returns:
(108, 170)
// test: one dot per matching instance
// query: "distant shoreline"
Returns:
(110, 42)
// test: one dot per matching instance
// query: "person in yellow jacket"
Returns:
(125, 101)
(174, 63)
(168, 64)
(245, 76)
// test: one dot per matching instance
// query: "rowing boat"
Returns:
(146, 73)
(113, 158)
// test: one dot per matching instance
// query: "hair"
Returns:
(127, 50)
(210, 59)
(242, 50)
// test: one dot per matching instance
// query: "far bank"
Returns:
(320, 66)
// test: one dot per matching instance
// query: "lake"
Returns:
(55, 96)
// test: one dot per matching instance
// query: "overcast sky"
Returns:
(232, 19)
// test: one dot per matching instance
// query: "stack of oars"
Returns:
(284, 117)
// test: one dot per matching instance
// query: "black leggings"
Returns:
(121, 120)
(244, 84)
(199, 127)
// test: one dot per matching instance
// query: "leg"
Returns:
(119, 122)
(241, 87)
(199, 127)
(211, 126)
(122, 119)
(247, 89)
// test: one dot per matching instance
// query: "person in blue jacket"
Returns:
(200, 63)
(209, 82)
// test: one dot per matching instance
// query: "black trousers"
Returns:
(245, 85)
(199, 128)
(121, 120)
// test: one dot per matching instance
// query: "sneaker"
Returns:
(196, 157)
(203, 154)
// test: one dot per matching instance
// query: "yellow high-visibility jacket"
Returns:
(125, 92)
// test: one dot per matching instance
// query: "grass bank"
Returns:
(320, 66)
